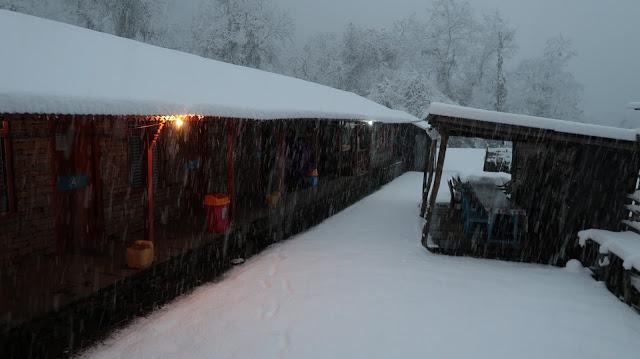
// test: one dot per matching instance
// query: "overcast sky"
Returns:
(605, 34)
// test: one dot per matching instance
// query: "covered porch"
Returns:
(565, 177)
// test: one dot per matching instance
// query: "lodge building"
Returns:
(110, 147)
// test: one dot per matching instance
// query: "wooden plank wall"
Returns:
(30, 228)
(566, 188)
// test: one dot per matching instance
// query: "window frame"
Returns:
(5, 132)
(143, 128)
(135, 129)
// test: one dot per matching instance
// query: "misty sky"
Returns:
(605, 34)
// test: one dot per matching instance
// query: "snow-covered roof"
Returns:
(423, 125)
(576, 128)
(51, 67)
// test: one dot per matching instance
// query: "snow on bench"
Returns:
(625, 245)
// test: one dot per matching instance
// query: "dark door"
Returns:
(196, 167)
(75, 173)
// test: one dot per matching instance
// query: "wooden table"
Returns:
(485, 204)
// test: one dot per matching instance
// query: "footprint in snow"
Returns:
(266, 283)
(283, 342)
(272, 271)
(270, 310)
(286, 286)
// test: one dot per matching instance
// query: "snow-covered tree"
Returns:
(133, 19)
(408, 91)
(450, 34)
(320, 61)
(244, 32)
(544, 87)
(367, 54)
(496, 43)
(91, 14)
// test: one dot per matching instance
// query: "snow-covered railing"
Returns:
(633, 222)
(625, 245)
(617, 261)
(635, 196)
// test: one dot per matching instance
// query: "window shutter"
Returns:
(136, 157)
(156, 166)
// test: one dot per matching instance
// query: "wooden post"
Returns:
(231, 133)
(5, 132)
(97, 176)
(436, 186)
(56, 201)
(151, 228)
(428, 176)
(150, 206)
(627, 286)
(282, 152)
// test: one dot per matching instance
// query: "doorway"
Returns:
(76, 182)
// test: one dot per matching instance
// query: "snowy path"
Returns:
(361, 286)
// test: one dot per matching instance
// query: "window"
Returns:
(6, 193)
(137, 155)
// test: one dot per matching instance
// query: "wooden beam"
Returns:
(152, 139)
(231, 134)
(436, 186)
(56, 202)
(280, 158)
(97, 176)
(428, 176)
(498, 131)
(150, 205)
(5, 133)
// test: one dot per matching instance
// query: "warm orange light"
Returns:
(179, 120)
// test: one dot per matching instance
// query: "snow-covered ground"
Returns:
(360, 285)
